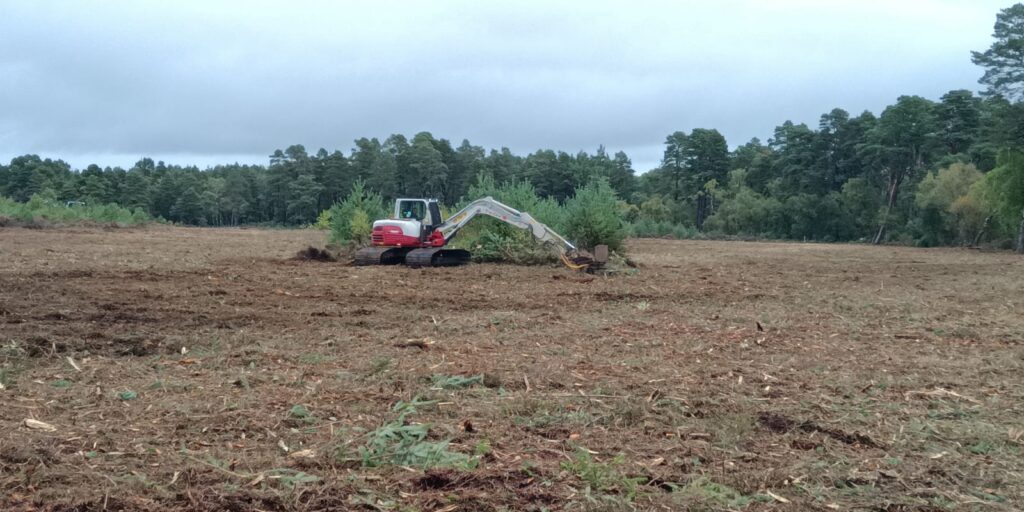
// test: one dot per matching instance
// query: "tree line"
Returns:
(848, 178)
(296, 186)
(930, 172)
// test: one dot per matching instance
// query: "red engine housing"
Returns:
(392, 236)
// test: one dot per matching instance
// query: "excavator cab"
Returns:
(426, 211)
(411, 236)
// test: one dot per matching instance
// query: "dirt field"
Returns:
(190, 369)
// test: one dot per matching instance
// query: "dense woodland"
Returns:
(924, 171)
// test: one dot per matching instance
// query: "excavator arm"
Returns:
(522, 220)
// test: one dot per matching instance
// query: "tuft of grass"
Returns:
(728, 430)
(703, 489)
(603, 477)
(400, 443)
(981, 447)
(482, 448)
(12, 355)
(6, 378)
(456, 381)
(291, 478)
(302, 414)
(314, 358)
(378, 366)
(61, 383)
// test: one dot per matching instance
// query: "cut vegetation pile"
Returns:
(315, 254)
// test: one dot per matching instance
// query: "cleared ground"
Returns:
(191, 369)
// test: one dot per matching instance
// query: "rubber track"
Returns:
(438, 257)
(381, 255)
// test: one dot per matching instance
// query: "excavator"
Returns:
(418, 236)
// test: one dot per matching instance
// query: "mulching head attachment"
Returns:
(586, 261)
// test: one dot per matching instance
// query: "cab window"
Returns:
(412, 210)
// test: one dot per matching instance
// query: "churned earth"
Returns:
(167, 368)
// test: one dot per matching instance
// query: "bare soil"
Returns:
(213, 369)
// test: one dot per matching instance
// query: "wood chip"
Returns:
(777, 498)
(73, 364)
(1015, 434)
(422, 344)
(256, 481)
(940, 393)
(39, 425)
(308, 453)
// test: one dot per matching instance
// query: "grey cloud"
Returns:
(220, 81)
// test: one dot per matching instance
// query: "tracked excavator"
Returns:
(418, 236)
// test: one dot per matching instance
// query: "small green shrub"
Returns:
(360, 228)
(593, 217)
(323, 221)
(351, 220)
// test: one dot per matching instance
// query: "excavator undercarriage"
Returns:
(382, 255)
(439, 257)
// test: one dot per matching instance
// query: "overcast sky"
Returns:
(217, 82)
